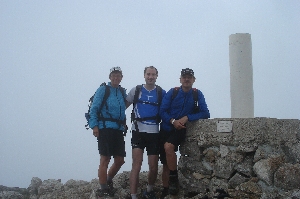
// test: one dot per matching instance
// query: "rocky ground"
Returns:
(79, 189)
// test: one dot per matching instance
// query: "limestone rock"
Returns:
(11, 195)
(266, 168)
(236, 180)
(34, 185)
(287, 177)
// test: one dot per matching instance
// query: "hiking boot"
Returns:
(164, 193)
(111, 188)
(150, 195)
(102, 193)
(173, 184)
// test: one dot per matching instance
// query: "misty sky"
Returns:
(55, 54)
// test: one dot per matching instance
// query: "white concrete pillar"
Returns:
(241, 76)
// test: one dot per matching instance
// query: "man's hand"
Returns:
(96, 131)
(178, 125)
(183, 120)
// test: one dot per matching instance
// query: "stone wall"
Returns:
(255, 158)
(248, 158)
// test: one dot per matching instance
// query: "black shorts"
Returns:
(175, 137)
(111, 143)
(149, 140)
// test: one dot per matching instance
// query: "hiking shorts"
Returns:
(175, 137)
(111, 142)
(142, 140)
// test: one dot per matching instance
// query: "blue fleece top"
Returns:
(181, 105)
(114, 108)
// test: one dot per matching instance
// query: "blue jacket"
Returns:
(181, 105)
(114, 108)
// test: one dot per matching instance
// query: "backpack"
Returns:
(195, 97)
(106, 95)
(136, 100)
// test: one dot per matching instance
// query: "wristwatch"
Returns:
(173, 121)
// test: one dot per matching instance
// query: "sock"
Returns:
(173, 172)
(133, 196)
(103, 186)
(109, 179)
(149, 188)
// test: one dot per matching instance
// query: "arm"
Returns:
(98, 97)
(130, 96)
(96, 131)
(180, 124)
(127, 104)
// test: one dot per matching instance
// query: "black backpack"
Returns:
(136, 100)
(195, 97)
(100, 117)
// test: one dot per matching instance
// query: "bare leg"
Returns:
(153, 167)
(115, 167)
(137, 159)
(171, 156)
(102, 171)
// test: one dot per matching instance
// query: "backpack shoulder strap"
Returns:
(159, 94)
(123, 93)
(175, 92)
(195, 97)
(138, 88)
(195, 94)
(106, 94)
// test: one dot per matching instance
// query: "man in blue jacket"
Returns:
(175, 112)
(108, 127)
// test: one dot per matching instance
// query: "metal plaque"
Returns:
(224, 126)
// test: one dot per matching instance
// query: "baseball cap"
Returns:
(117, 68)
(187, 71)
